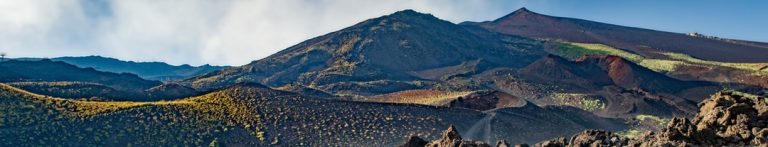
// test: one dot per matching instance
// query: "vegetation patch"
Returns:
(424, 97)
(658, 120)
(29, 115)
(575, 50)
(644, 123)
(631, 133)
(757, 68)
(583, 101)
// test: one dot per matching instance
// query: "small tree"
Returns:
(2, 56)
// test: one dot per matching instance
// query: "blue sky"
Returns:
(235, 32)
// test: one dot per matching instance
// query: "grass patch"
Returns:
(575, 50)
(658, 120)
(208, 112)
(631, 133)
(424, 97)
(582, 101)
(759, 68)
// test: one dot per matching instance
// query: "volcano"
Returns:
(646, 42)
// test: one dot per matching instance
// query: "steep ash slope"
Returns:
(645, 42)
(381, 51)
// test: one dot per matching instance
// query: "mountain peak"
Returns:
(409, 14)
(523, 10)
(522, 13)
(407, 11)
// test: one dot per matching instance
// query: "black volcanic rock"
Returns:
(643, 41)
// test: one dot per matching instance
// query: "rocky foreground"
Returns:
(725, 119)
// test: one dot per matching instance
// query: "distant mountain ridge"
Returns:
(646, 42)
(53, 71)
(60, 79)
(148, 70)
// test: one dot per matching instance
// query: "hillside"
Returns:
(78, 90)
(477, 100)
(676, 65)
(248, 114)
(619, 87)
(148, 70)
(384, 53)
(645, 42)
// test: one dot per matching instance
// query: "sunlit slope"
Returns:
(254, 115)
(33, 119)
(576, 50)
(424, 97)
(677, 65)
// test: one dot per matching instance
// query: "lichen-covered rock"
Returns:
(557, 142)
(449, 138)
(519, 145)
(725, 119)
(502, 143)
(414, 141)
(596, 138)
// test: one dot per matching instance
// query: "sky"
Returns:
(236, 32)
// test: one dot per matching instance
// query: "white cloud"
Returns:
(28, 27)
(197, 31)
